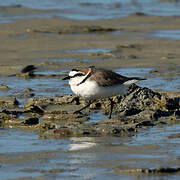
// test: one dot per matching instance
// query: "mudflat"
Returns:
(109, 43)
(142, 138)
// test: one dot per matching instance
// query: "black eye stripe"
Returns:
(78, 74)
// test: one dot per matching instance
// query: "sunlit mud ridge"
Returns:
(73, 30)
(54, 117)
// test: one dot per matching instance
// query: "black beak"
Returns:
(66, 78)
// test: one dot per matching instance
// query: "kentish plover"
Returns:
(93, 83)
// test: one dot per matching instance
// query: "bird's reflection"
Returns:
(80, 143)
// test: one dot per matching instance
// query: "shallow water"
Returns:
(95, 50)
(23, 154)
(52, 86)
(88, 157)
(41, 86)
(152, 82)
(167, 34)
(96, 9)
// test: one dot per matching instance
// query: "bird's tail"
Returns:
(133, 80)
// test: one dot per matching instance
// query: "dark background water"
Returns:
(95, 9)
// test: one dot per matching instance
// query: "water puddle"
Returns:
(81, 143)
(20, 141)
(93, 50)
(63, 60)
(50, 72)
(152, 82)
(4, 20)
(91, 10)
(159, 136)
(20, 36)
(167, 34)
(97, 116)
(88, 157)
(47, 85)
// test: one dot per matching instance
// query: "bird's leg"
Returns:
(111, 108)
(79, 111)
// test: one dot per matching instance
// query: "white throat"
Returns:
(76, 81)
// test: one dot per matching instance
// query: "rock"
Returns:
(149, 171)
(26, 75)
(173, 136)
(138, 14)
(140, 108)
(145, 123)
(28, 90)
(52, 171)
(84, 129)
(8, 101)
(132, 111)
(173, 103)
(31, 121)
(35, 109)
(64, 99)
(4, 87)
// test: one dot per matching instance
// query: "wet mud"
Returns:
(42, 138)
(54, 116)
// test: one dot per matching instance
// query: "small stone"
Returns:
(28, 90)
(4, 87)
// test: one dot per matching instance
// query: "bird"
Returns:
(29, 68)
(26, 71)
(93, 83)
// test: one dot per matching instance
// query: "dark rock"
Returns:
(173, 103)
(36, 109)
(145, 123)
(8, 101)
(115, 131)
(149, 171)
(159, 113)
(31, 121)
(8, 112)
(139, 14)
(132, 111)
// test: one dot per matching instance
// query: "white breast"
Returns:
(91, 90)
(87, 89)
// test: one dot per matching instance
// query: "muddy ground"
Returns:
(116, 42)
(112, 43)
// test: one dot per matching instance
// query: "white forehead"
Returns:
(72, 73)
